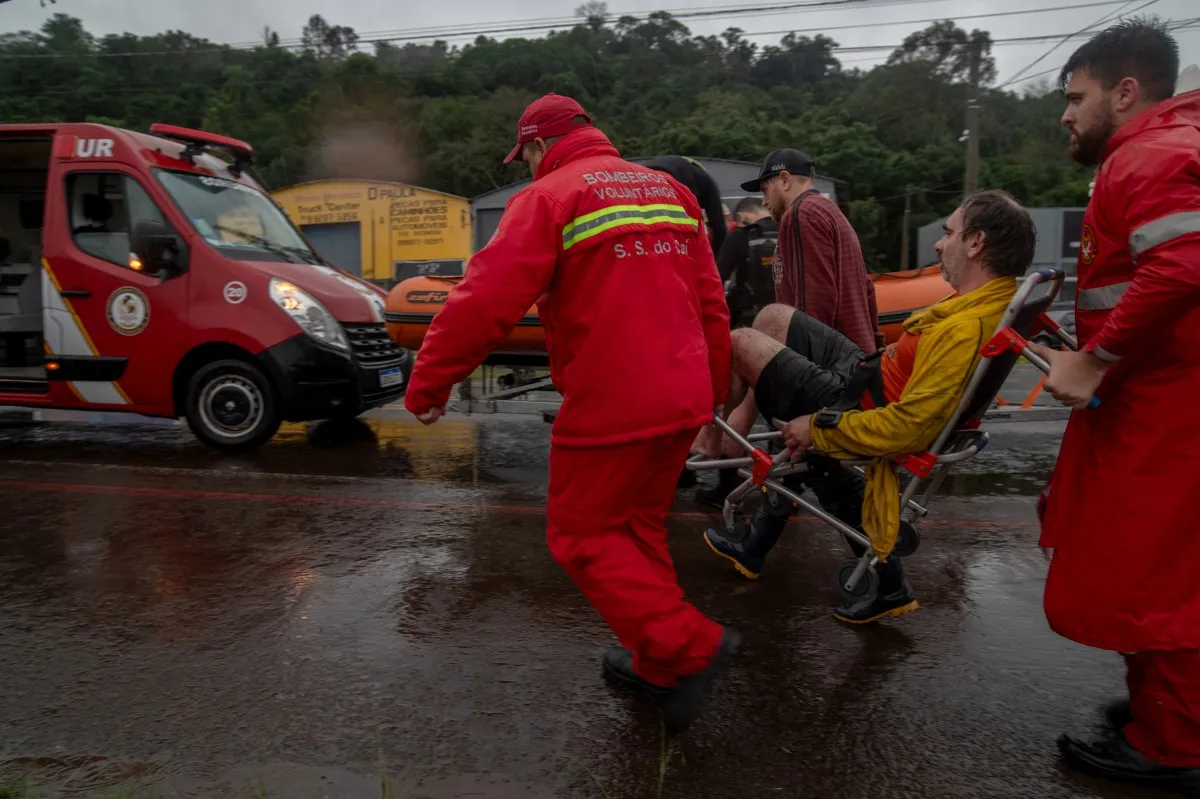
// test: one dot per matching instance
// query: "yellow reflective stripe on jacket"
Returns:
(595, 223)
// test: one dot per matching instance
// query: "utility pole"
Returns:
(908, 193)
(971, 178)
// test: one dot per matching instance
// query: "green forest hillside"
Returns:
(332, 105)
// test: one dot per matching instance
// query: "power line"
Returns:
(1098, 22)
(954, 19)
(549, 23)
(449, 32)
(1011, 40)
(488, 71)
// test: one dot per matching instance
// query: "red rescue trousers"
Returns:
(1164, 700)
(607, 528)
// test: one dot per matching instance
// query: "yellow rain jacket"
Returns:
(952, 332)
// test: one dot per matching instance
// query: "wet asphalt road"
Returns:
(376, 599)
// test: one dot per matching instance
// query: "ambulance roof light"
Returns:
(198, 140)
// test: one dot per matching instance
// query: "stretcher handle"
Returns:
(1009, 339)
(1044, 366)
(1054, 327)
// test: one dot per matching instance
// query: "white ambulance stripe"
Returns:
(99, 393)
(62, 331)
(64, 337)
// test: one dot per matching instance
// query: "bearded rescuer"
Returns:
(1119, 517)
(637, 329)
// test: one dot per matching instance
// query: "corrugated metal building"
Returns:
(384, 232)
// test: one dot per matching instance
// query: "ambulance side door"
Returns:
(128, 327)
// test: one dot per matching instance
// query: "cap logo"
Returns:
(780, 166)
(529, 130)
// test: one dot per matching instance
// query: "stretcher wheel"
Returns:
(866, 588)
(908, 540)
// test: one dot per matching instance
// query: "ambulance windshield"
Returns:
(233, 216)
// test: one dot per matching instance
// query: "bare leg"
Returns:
(753, 349)
(748, 362)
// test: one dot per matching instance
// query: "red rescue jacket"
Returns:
(1119, 509)
(627, 289)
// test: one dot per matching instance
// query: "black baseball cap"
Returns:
(784, 159)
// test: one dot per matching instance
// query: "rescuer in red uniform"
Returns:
(638, 336)
(1118, 516)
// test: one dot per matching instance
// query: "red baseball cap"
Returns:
(546, 117)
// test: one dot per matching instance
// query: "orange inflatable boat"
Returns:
(412, 304)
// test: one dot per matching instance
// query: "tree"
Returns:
(444, 116)
(327, 41)
(947, 49)
(593, 9)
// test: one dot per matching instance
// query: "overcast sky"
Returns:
(239, 21)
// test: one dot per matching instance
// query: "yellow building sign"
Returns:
(381, 231)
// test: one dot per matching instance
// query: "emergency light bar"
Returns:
(198, 141)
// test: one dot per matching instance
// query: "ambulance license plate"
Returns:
(390, 377)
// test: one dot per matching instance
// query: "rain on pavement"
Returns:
(375, 599)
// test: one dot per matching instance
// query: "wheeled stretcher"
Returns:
(959, 441)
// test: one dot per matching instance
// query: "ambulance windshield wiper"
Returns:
(285, 252)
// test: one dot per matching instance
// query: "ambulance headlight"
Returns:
(309, 314)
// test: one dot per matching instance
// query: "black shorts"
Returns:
(809, 373)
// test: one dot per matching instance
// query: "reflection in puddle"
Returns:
(454, 451)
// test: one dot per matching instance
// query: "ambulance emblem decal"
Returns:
(1087, 245)
(235, 292)
(128, 311)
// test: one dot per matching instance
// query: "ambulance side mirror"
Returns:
(158, 248)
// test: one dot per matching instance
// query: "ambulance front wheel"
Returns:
(231, 406)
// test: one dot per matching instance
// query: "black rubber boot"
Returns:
(687, 479)
(840, 492)
(680, 705)
(1117, 714)
(748, 554)
(896, 602)
(683, 704)
(1112, 757)
(727, 480)
(617, 665)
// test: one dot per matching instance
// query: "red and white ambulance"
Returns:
(151, 274)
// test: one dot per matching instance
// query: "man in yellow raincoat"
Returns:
(844, 404)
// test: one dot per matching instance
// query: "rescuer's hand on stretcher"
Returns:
(1074, 375)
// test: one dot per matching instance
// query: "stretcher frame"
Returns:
(959, 441)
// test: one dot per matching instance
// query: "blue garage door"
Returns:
(340, 243)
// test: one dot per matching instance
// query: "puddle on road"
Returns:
(94, 777)
(455, 451)
(218, 646)
(484, 450)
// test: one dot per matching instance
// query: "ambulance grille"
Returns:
(372, 346)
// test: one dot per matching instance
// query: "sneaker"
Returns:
(1112, 757)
